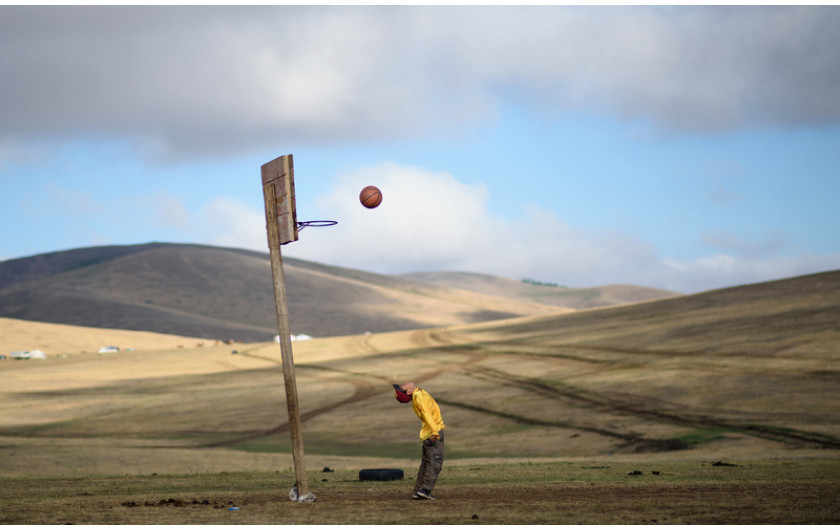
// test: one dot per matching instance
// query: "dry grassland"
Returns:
(61, 339)
(672, 383)
(536, 397)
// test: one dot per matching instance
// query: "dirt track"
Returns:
(363, 387)
(468, 361)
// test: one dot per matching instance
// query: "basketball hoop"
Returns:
(303, 224)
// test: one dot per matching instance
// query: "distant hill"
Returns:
(737, 376)
(576, 298)
(225, 293)
(762, 319)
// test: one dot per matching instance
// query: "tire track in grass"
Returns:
(630, 404)
(440, 340)
(553, 350)
(548, 423)
(364, 389)
(635, 404)
(447, 343)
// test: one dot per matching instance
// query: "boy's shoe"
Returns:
(416, 497)
(425, 495)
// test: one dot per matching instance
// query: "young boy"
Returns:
(431, 435)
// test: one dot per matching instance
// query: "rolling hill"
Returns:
(742, 374)
(577, 298)
(224, 293)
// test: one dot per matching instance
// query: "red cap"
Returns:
(402, 397)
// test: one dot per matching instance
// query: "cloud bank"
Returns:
(192, 81)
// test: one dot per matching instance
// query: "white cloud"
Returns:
(425, 219)
(231, 223)
(432, 221)
(724, 270)
(189, 81)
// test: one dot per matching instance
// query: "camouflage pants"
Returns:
(430, 465)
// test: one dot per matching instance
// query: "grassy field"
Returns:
(804, 492)
(547, 419)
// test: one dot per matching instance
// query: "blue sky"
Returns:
(686, 148)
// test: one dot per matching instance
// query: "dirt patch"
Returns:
(180, 503)
(569, 503)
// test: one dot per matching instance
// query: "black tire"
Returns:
(381, 474)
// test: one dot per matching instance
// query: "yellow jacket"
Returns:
(427, 410)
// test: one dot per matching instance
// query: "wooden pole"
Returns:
(283, 327)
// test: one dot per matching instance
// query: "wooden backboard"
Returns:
(278, 178)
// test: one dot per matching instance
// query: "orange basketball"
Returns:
(370, 197)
